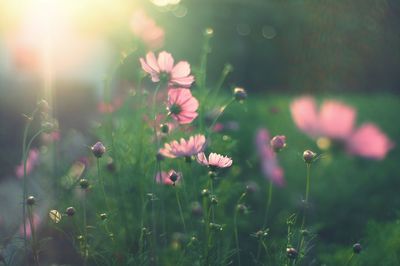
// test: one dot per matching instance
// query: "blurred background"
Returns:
(63, 50)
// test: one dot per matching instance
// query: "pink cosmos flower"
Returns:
(147, 30)
(168, 178)
(335, 120)
(163, 68)
(269, 162)
(182, 106)
(214, 160)
(368, 141)
(36, 223)
(31, 162)
(193, 146)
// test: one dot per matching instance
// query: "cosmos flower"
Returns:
(269, 162)
(214, 160)
(163, 68)
(182, 106)
(335, 120)
(170, 178)
(147, 30)
(193, 146)
(31, 161)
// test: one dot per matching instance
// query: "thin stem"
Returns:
(269, 201)
(101, 180)
(350, 259)
(25, 189)
(85, 232)
(33, 232)
(221, 111)
(180, 210)
(305, 206)
(235, 227)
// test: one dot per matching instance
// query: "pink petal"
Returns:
(304, 114)
(180, 70)
(202, 159)
(165, 62)
(269, 163)
(336, 119)
(370, 142)
(184, 81)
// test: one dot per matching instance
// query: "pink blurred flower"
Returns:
(193, 146)
(36, 223)
(214, 160)
(107, 108)
(269, 162)
(163, 68)
(368, 141)
(147, 30)
(31, 161)
(167, 178)
(51, 137)
(182, 106)
(335, 120)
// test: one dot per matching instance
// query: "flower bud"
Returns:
(309, 156)
(214, 200)
(98, 149)
(205, 192)
(208, 32)
(55, 216)
(84, 183)
(70, 211)
(357, 248)
(103, 216)
(278, 143)
(216, 227)
(30, 200)
(111, 165)
(240, 94)
(241, 208)
(291, 253)
(212, 174)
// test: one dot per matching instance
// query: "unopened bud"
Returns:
(309, 156)
(357, 248)
(278, 143)
(70, 211)
(103, 216)
(291, 253)
(84, 183)
(240, 94)
(164, 128)
(30, 200)
(98, 149)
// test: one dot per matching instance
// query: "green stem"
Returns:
(25, 189)
(350, 259)
(33, 233)
(236, 229)
(85, 248)
(180, 210)
(221, 111)
(101, 180)
(269, 201)
(305, 206)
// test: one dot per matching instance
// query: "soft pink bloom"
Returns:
(336, 120)
(304, 114)
(214, 160)
(51, 137)
(369, 141)
(147, 30)
(269, 162)
(31, 161)
(182, 106)
(36, 223)
(107, 108)
(163, 67)
(193, 146)
(165, 178)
